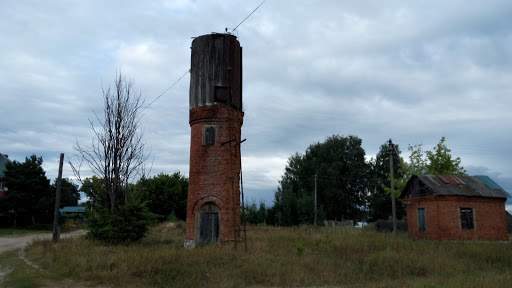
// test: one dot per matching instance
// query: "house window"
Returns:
(467, 221)
(209, 135)
(422, 219)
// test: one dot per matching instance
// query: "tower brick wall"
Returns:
(215, 169)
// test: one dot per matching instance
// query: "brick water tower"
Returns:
(216, 118)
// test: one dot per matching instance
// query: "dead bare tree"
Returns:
(116, 152)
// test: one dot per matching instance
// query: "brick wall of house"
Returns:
(215, 170)
(443, 218)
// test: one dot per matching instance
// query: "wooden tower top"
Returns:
(216, 71)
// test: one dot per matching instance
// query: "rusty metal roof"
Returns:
(450, 185)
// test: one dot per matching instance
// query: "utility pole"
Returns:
(315, 199)
(56, 232)
(393, 206)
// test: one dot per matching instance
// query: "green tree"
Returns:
(165, 195)
(69, 195)
(440, 161)
(254, 215)
(342, 176)
(27, 190)
(417, 165)
(94, 189)
(129, 224)
(379, 200)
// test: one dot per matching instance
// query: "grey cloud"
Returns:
(409, 71)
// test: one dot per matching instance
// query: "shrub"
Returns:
(387, 226)
(129, 223)
(70, 224)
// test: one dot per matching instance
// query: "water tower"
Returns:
(216, 118)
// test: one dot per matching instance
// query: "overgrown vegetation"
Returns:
(129, 224)
(341, 178)
(116, 157)
(165, 195)
(30, 198)
(379, 198)
(290, 256)
(16, 273)
(348, 186)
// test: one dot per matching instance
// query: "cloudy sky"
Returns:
(412, 71)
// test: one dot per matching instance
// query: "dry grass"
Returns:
(298, 256)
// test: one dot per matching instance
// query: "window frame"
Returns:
(209, 135)
(467, 218)
(422, 216)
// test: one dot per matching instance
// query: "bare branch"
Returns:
(116, 152)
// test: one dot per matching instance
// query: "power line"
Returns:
(248, 16)
(175, 82)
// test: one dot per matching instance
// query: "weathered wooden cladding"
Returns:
(216, 71)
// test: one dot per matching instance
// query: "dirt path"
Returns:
(12, 243)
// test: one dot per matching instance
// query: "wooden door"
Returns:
(209, 228)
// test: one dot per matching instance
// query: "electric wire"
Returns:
(234, 29)
(175, 82)
(188, 71)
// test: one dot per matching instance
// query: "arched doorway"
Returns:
(209, 218)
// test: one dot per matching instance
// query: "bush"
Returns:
(387, 226)
(128, 224)
(70, 224)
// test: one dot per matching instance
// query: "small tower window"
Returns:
(221, 94)
(209, 135)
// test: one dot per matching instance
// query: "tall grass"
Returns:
(298, 256)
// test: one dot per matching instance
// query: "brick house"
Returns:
(446, 207)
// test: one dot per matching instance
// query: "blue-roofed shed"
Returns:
(72, 210)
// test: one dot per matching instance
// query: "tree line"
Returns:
(348, 186)
(30, 197)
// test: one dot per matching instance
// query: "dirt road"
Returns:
(11, 243)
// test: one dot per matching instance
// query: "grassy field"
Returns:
(290, 257)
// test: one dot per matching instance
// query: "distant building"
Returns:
(4, 159)
(447, 207)
(72, 210)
